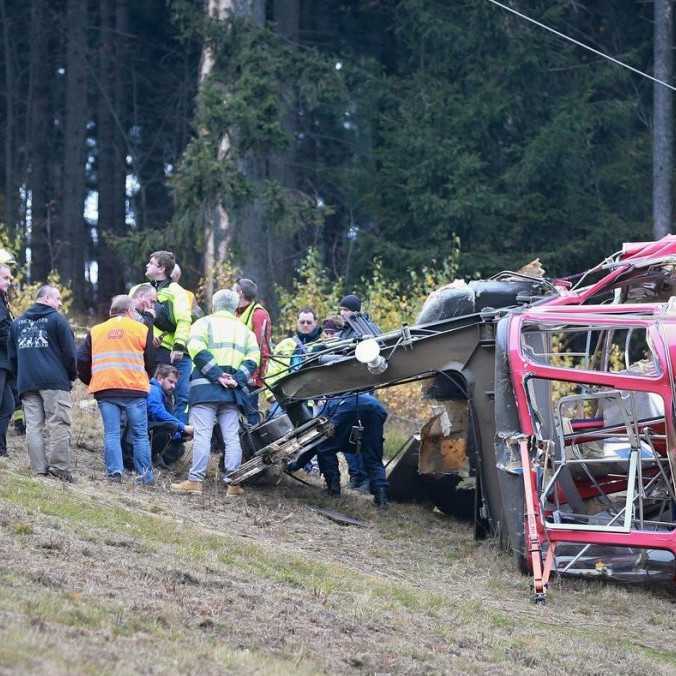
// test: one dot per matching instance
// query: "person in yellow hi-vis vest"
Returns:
(195, 310)
(225, 354)
(172, 320)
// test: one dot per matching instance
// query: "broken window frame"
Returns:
(662, 330)
(635, 478)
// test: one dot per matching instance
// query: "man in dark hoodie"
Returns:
(6, 396)
(42, 355)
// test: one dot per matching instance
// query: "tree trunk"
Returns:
(10, 93)
(110, 278)
(282, 164)
(217, 226)
(75, 233)
(122, 112)
(663, 134)
(42, 254)
(251, 231)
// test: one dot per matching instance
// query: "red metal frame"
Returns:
(662, 331)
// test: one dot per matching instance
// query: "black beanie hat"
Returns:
(351, 302)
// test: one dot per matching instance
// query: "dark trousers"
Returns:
(6, 408)
(163, 445)
(371, 446)
(253, 416)
(355, 467)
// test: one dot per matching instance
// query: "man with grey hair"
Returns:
(42, 355)
(115, 361)
(144, 297)
(225, 354)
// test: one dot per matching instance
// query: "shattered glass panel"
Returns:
(623, 564)
(614, 349)
(604, 462)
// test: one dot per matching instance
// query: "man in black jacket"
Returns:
(357, 323)
(42, 355)
(6, 396)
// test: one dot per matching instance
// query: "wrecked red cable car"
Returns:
(560, 398)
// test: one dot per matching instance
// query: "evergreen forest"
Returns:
(251, 132)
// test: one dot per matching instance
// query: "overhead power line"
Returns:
(580, 44)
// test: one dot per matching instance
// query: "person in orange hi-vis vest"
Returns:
(115, 361)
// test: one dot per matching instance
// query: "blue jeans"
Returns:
(137, 425)
(182, 388)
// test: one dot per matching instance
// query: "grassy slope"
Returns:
(108, 579)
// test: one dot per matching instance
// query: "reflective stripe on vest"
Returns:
(226, 338)
(117, 356)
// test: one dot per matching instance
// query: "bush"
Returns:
(22, 293)
(312, 287)
(225, 276)
(390, 303)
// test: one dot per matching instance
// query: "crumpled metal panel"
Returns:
(443, 441)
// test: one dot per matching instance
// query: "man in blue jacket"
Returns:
(358, 420)
(42, 356)
(167, 432)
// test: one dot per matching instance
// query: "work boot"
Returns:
(333, 487)
(360, 485)
(380, 498)
(62, 474)
(233, 491)
(188, 487)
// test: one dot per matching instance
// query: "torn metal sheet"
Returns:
(284, 449)
(443, 445)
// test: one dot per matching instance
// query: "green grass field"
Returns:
(105, 579)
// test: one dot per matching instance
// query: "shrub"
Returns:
(389, 302)
(312, 287)
(22, 293)
(225, 276)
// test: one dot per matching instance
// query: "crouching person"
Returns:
(42, 355)
(115, 361)
(225, 354)
(167, 432)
